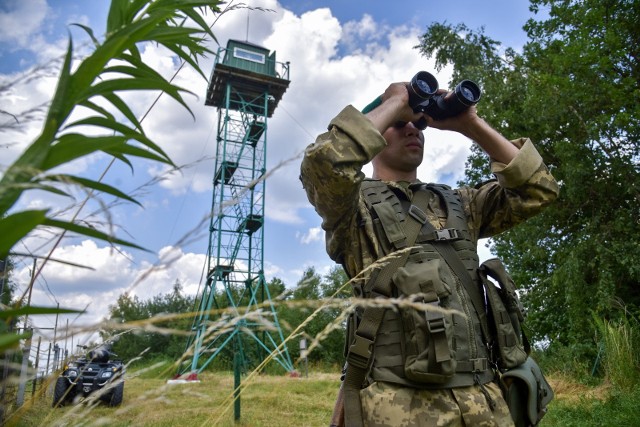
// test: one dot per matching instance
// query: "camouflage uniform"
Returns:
(331, 174)
(390, 405)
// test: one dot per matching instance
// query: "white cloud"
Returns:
(21, 20)
(113, 272)
(314, 234)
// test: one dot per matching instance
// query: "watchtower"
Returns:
(246, 86)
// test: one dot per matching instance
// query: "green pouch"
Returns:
(527, 393)
(509, 346)
(427, 339)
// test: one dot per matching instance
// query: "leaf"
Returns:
(89, 31)
(98, 109)
(30, 162)
(180, 53)
(196, 17)
(114, 85)
(139, 70)
(50, 259)
(165, 33)
(89, 232)
(74, 145)
(37, 185)
(88, 183)
(62, 104)
(116, 17)
(123, 129)
(17, 226)
(124, 109)
(113, 46)
(135, 8)
(35, 310)
(123, 159)
(10, 341)
(138, 152)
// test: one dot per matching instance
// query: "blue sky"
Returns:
(341, 52)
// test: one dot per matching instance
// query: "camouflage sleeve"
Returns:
(523, 188)
(331, 173)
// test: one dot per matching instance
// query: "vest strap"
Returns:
(359, 355)
(445, 234)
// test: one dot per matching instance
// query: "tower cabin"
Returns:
(249, 71)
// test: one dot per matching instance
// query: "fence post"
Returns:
(26, 352)
(35, 377)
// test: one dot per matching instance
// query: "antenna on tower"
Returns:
(247, 36)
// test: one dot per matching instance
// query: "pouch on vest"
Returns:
(427, 339)
(510, 348)
(527, 393)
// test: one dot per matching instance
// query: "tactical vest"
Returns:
(447, 349)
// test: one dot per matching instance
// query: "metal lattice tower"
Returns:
(246, 85)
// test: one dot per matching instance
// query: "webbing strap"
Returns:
(359, 355)
(451, 257)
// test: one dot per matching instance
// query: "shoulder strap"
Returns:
(359, 355)
(456, 220)
(381, 200)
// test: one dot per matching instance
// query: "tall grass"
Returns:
(267, 401)
(621, 352)
(284, 401)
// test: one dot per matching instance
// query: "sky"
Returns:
(341, 52)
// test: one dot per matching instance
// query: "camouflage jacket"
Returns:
(331, 174)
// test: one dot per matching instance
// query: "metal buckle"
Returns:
(417, 214)
(447, 234)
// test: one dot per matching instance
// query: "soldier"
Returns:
(449, 382)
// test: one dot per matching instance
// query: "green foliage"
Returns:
(574, 91)
(163, 340)
(621, 340)
(324, 332)
(115, 66)
(576, 361)
(618, 409)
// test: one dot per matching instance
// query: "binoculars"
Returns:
(423, 98)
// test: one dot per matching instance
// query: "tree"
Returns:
(574, 90)
(131, 310)
(126, 310)
(321, 330)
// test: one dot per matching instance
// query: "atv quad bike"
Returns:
(99, 372)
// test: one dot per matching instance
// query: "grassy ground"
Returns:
(266, 401)
(284, 401)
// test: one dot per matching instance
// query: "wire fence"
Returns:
(26, 370)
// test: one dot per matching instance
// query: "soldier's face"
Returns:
(405, 147)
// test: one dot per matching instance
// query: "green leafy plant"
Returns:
(114, 66)
(621, 361)
(572, 89)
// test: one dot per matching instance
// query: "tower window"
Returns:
(248, 55)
